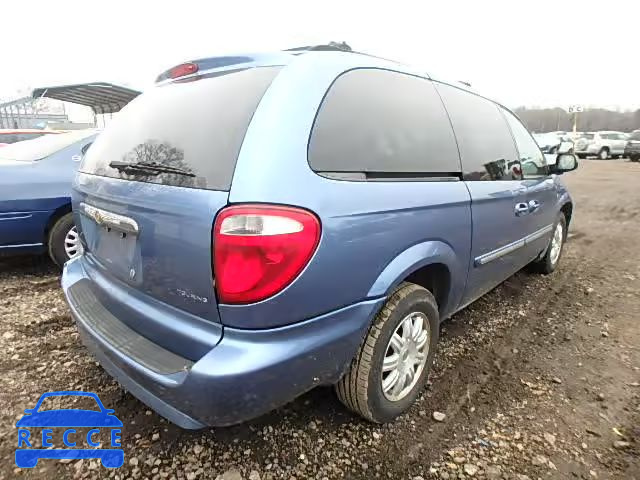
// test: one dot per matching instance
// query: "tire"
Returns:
(361, 388)
(60, 234)
(603, 154)
(634, 158)
(549, 262)
(582, 156)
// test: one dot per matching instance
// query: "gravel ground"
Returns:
(538, 379)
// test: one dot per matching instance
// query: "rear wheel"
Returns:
(64, 241)
(391, 367)
(603, 154)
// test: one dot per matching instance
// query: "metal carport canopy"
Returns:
(102, 97)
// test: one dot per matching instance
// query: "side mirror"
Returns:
(565, 162)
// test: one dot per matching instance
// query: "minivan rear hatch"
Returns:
(151, 184)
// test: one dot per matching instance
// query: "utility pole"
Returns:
(575, 110)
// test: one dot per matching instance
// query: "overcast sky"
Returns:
(534, 53)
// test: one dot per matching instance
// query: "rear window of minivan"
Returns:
(195, 127)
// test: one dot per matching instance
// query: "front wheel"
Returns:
(64, 241)
(391, 367)
(548, 263)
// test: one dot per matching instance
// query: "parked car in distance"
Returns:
(604, 145)
(302, 218)
(9, 135)
(632, 149)
(553, 143)
(35, 195)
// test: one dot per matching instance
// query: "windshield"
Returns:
(41, 147)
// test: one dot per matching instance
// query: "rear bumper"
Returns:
(248, 373)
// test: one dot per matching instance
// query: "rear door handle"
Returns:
(521, 209)
(533, 205)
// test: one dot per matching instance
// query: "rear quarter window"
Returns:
(379, 121)
(195, 126)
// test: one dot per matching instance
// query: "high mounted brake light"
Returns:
(183, 70)
(258, 250)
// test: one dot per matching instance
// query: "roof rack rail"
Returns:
(331, 46)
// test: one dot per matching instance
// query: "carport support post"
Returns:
(575, 123)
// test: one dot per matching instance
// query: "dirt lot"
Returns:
(538, 379)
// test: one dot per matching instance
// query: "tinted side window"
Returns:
(486, 147)
(532, 159)
(381, 121)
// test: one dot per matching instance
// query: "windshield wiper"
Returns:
(150, 167)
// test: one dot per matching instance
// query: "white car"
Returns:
(553, 142)
(604, 145)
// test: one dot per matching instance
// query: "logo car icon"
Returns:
(68, 419)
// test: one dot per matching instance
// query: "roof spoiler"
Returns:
(329, 47)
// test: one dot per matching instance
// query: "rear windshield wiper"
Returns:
(151, 167)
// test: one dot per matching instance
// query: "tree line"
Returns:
(594, 119)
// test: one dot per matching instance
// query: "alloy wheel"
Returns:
(405, 356)
(72, 245)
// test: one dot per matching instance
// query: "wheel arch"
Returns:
(432, 265)
(53, 218)
(567, 211)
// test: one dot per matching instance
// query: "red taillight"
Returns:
(183, 69)
(258, 250)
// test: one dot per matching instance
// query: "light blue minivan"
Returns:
(257, 225)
